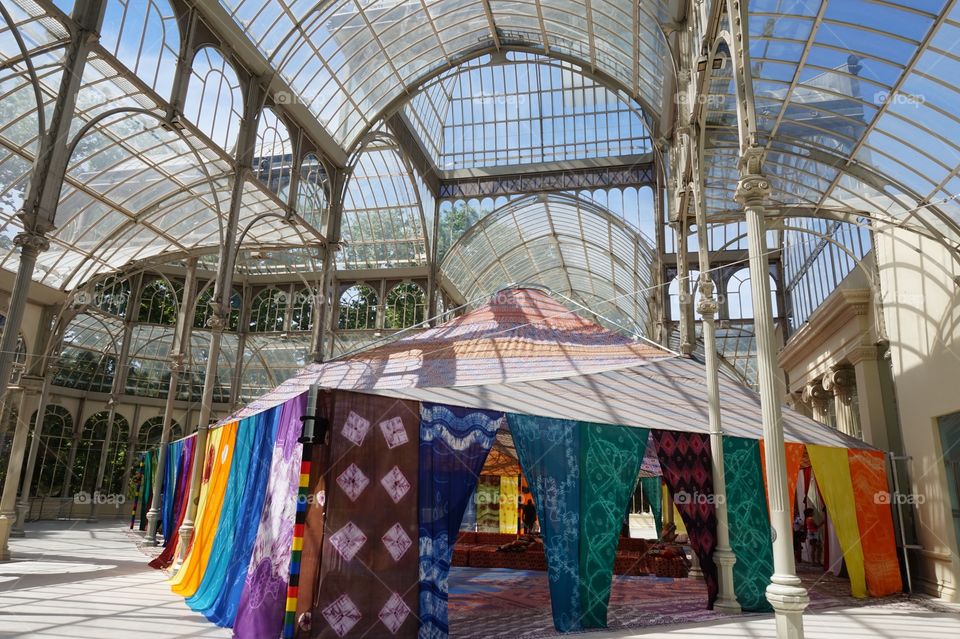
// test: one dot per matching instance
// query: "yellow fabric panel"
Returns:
(216, 470)
(509, 494)
(832, 469)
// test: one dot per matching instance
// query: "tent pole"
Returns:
(723, 554)
(785, 593)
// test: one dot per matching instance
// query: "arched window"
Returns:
(312, 196)
(740, 295)
(111, 295)
(202, 311)
(92, 440)
(405, 306)
(159, 302)
(676, 298)
(148, 366)
(143, 35)
(214, 101)
(53, 454)
(151, 431)
(273, 154)
(268, 310)
(358, 308)
(88, 358)
(301, 317)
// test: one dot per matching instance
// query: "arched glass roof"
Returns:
(349, 59)
(572, 247)
(522, 108)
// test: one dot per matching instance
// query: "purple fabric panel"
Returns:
(264, 594)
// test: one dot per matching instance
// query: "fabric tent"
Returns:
(523, 352)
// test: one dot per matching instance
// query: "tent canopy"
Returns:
(523, 352)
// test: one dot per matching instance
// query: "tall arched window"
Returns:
(151, 431)
(740, 295)
(53, 454)
(159, 302)
(202, 311)
(111, 295)
(405, 306)
(268, 310)
(214, 101)
(301, 317)
(358, 308)
(312, 196)
(145, 38)
(273, 154)
(92, 440)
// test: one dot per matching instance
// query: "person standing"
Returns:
(529, 517)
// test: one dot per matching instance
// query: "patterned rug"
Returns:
(501, 603)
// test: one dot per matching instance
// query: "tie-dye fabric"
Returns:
(454, 442)
(260, 613)
(549, 452)
(685, 462)
(749, 522)
(488, 504)
(509, 494)
(370, 568)
(181, 496)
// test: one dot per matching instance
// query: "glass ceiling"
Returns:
(856, 106)
(347, 60)
(523, 108)
(572, 247)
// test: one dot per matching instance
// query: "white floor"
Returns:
(80, 580)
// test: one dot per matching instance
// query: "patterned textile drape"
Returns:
(653, 491)
(181, 496)
(832, 468)
(313, 530)
(454, 442)
(868, 470)
(685, 462)
(369, 568)
(469, 521)
(488, 504)
(509, 493)
(610, 459)
(261, 608)
(223, 609)
(173, 463)
(750, 535)
(220, 549)
(216, 471)
(549, 452)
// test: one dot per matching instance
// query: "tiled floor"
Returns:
(75, 579)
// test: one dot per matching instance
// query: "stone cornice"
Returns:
(839, 309)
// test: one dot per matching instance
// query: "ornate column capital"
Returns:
(707, 305)
(753, 188)
(840, 380)
(176, 363)
(31, 241)
(814, 393)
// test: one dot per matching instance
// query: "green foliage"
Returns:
(453, 224)
(159, 302)
(358, 308)
(405, 306)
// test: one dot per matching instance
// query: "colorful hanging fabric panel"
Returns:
(651, 488)
(369, 570)
(488, 504)
(222, 609)
(868, 470)
(685, 462)
(212, 580)
(454, 442)
(749, 522)
(313, 529)
(509, 494)
(832, 469)
(181, 496)
(549, 452)
(137, 483)
(794, 457)
(610, 458)
(216, 472)
(146, 490)
(173, 463)
(260, 612)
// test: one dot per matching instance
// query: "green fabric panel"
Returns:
(610, 458)
(652, 489)
(750, 535)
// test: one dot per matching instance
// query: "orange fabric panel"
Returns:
(868, 470)
(794, 453)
